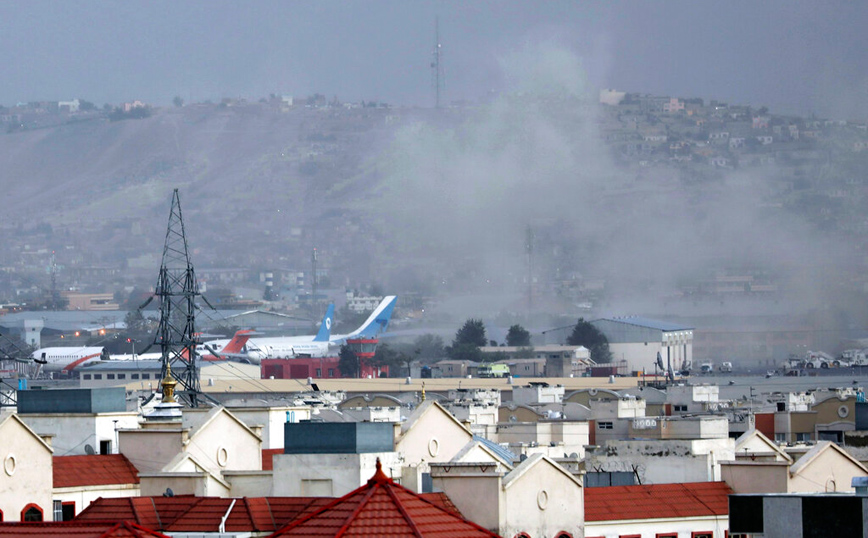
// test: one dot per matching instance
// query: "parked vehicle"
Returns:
(726, 367)
(818, 359)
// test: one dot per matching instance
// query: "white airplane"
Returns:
(66, 359)
(322, 344)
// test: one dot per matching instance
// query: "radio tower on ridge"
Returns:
(437, 77)
(177, 290)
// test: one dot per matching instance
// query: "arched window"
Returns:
(31, 512)
(1, 515)
(563, 534)
(522, 535)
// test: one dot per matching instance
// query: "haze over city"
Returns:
(441, 202)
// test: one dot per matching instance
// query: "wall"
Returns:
(25, 471)
(272, 420)
(434, 437)
(224, 444)
(477, 495)
(341, 473)
(83, 496)
(650, 528)
(542, 502)
(72, 432)
(756, 477)
(150, 450)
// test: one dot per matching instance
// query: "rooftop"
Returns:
(657, 501)
(382, 508)
(649, 323)
(96, 470)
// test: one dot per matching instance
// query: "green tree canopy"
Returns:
(472, 332)
(585, 334)
(348, 363)
(517, 336)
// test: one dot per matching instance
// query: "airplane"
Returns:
(66, 359)
(323, 344)
(232, 350)
(266, 348)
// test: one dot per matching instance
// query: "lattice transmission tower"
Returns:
(177, 290)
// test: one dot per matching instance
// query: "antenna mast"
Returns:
(177, 290)
(313, 300)
(437, 77)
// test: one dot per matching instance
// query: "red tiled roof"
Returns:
(617, 503)
(103, 470)
(382, 508)
(267, 457)
(78, 529)
(187, 513)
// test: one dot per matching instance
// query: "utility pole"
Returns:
(437, 76)
(177, 290)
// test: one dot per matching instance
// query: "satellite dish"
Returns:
(89, 450)
(574, 455)
(169, 493)
(522, 457)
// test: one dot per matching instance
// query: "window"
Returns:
(134, 376)
(122, 376)
(58, 510)
(780, 438)
(146, 376)
(702, 534)
(319, 372)
(105, 447)
(802, 437)
(679, 408)
(67, 511)
(630, 536)
(563, 534)
(86, 376)
(97, 376)
(604, 425)
(109, 376)
(31, 512)
(331, 372)
(667, 535)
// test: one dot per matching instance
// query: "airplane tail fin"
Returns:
(325, 328)
(237, 343)
(378, 321)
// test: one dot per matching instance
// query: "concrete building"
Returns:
(536, 498)
(663, 461)
(637, 340)
(26, 476)
(78, 421)
(798, 515)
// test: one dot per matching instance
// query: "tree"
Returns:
(387, 356)
(472, 332)
(429, 348)
(348, 363)
(178, 101)
(517, 336)
(585, 334)
(469, 338)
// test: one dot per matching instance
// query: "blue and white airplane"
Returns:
(323, 343)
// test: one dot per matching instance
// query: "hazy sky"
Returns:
(794, 56)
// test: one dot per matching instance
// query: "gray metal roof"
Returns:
(649, 323)
(502, 453)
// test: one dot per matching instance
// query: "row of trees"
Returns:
(467, 344)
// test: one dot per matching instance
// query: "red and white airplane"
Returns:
(67, 359)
